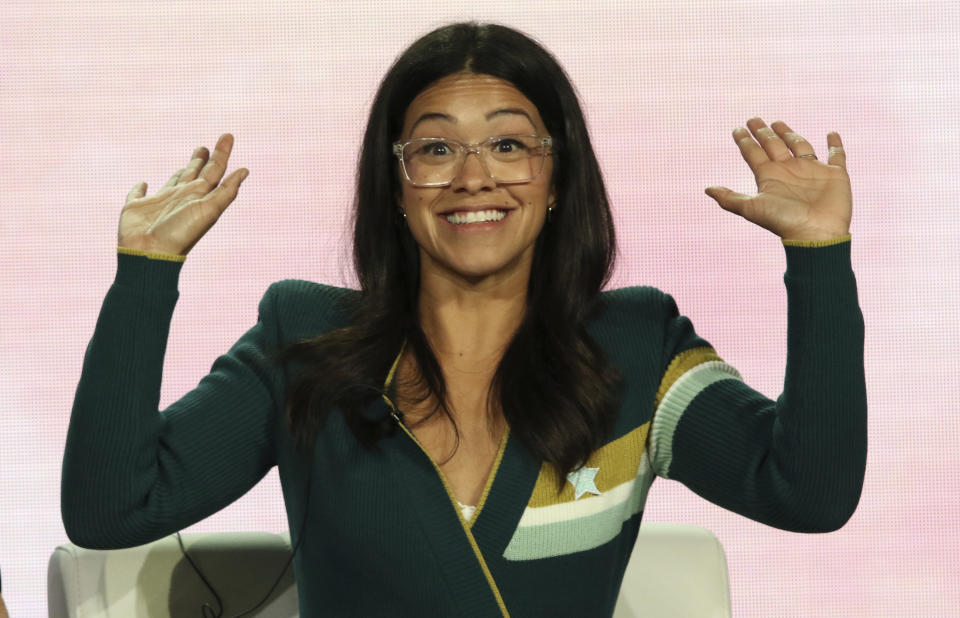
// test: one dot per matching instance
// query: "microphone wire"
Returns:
(206, 611)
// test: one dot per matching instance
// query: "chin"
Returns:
(475, 264)
(480, 269)
(476, 271)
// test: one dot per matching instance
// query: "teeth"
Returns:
(481, 216)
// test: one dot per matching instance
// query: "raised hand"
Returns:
(798, 197)
(173, 219)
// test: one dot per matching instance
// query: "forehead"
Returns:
(469, 99)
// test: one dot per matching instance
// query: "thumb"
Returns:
(728, 200)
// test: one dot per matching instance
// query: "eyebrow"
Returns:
(511, 110)
(432, 116)
(490, 116)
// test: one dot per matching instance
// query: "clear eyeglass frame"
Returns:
(464, 150)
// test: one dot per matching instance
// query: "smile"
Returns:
(479, 216)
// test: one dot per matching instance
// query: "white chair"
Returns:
(675, 570)
(154, 580)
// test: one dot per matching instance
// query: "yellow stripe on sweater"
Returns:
(682, 363)
(169, 257)
(618, 462)
(813, 244)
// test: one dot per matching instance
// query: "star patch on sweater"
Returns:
(582, 480)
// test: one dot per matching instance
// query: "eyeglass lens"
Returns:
(510, 158)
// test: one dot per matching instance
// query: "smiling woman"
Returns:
(470, 283)
(474, 431)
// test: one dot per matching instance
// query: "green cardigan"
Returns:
(383, 535)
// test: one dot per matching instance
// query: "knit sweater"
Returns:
(379, 533)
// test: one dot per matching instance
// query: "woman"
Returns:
(475, 431)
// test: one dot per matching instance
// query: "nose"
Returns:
(473, 176)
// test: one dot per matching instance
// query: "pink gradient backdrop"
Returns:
(95, 97)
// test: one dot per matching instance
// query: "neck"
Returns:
(469, 323)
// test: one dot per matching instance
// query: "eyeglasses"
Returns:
(436, 161)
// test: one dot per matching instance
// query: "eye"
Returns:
(434, 150)
(509, 145)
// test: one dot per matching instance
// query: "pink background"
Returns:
(95, 97)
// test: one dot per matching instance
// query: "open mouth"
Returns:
(475, 216)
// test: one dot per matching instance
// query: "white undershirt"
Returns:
(467, 511)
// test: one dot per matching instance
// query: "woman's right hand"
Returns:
(173, 219)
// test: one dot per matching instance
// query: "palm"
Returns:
(798, 197)
(158, 219)
(178, 215)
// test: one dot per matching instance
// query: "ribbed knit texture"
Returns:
(808, 479)
(382, 536)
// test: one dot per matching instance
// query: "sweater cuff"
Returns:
(142, 271)
(818, 261)
(812, 244)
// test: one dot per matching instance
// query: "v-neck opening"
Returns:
(389, 394)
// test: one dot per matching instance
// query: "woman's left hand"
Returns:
(798, 197)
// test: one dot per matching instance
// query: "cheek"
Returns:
(537, 196)
(541, 192)
(417, 207)
(413, 200)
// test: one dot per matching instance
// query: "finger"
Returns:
(797, 144)
(214, 169)
(138, 191)
(197, 160)
(213, 205)
(837, 154)
(175, 178)
(729, 200)
(768, 140)
(226, 192)
(751, 152)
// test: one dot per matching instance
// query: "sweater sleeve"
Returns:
(132, 473)
(796, 463)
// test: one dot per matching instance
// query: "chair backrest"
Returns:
(155, 580)
(675, 570)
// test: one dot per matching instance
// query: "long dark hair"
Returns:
(558, 393)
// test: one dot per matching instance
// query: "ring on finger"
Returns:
(807, 156)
